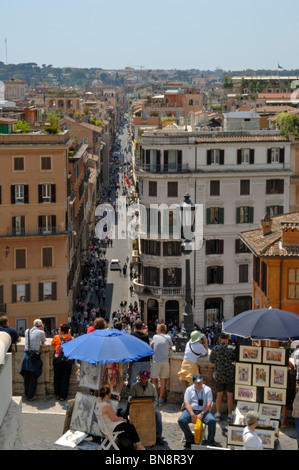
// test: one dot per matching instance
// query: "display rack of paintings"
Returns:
(261, 385)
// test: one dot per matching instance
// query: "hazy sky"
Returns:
(156, 34)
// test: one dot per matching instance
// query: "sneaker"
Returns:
(160, 402)
(217, 416)
(230, 418)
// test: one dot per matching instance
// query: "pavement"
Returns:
(43, 422)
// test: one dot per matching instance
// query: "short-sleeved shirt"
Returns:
(251, 440)
(160, 344)
(223, 356)
(12, 333)
(192, 396)
(194, 351)
(37, 338)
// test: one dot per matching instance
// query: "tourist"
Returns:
(161, 344)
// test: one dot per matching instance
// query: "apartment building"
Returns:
(35, 232)
(236, 177)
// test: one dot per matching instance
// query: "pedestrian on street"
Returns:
(161, 344)
(144, 363)
(251, 440)
(61, 365)
(32, 365)
(4, 326)
(223, 356)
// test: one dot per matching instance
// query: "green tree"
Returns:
(287, 123)
(22, 126)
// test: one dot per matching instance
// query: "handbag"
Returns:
(33, 355)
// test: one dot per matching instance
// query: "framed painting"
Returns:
(269, 411)
(250, 353)
(274, 356)
(261, 375)
(235, 435)
(245, 392)
(279, 376)
(267, 437)
(275, 396)
(243, 373)
(90, 375)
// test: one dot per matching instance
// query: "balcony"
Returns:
(147, 167)
(35, 231)
(155, 291)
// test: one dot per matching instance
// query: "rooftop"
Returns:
(270, 244)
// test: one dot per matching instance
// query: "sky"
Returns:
(152, 34)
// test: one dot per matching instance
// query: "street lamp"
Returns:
(188, 216)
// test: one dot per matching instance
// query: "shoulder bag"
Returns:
(33, 355)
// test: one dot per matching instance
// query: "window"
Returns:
(215, 275)
(245, 156)
(244, 215)
(20, 254)
(243, 273)
(46, 193)
(214, 247)
(20, 293)
(293, 283)
(215, 215)
(47, 291)
(264, 277)
(151, 276)
(47, 223)
(244, 187)
(46, 163)
(172, 277)
(171, 249)
(215, 157)
(19, 194)
(214, 188)
(18, 164)
(152, 188)
(275, 155)
(275, 186)
(240, 247)
(172, 161)
(18, 225)
(274, 210)
(172, 189)
(47, 257)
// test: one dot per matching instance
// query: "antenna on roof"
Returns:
(6, 50)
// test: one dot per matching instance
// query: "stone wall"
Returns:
(45, 387)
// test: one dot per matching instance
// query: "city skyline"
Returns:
(159, 35)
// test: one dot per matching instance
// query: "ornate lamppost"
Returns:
(188, 216)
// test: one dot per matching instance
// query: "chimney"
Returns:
(266, 223)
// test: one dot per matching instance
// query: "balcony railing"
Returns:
(173, 292)
(162, 168)
(29, 232)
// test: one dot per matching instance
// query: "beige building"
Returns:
(35, 231)
(14, 89)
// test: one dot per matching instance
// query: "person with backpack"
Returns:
(61, 365)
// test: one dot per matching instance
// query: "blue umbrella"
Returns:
(106, 346)
(264, 324)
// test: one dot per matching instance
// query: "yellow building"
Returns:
(35, 230)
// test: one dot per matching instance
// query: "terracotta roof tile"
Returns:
(270, 245)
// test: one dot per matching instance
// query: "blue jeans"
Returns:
(185, 419)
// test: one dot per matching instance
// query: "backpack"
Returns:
(59, 354)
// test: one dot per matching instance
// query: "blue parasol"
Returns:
(264, 324)
(106, 346)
